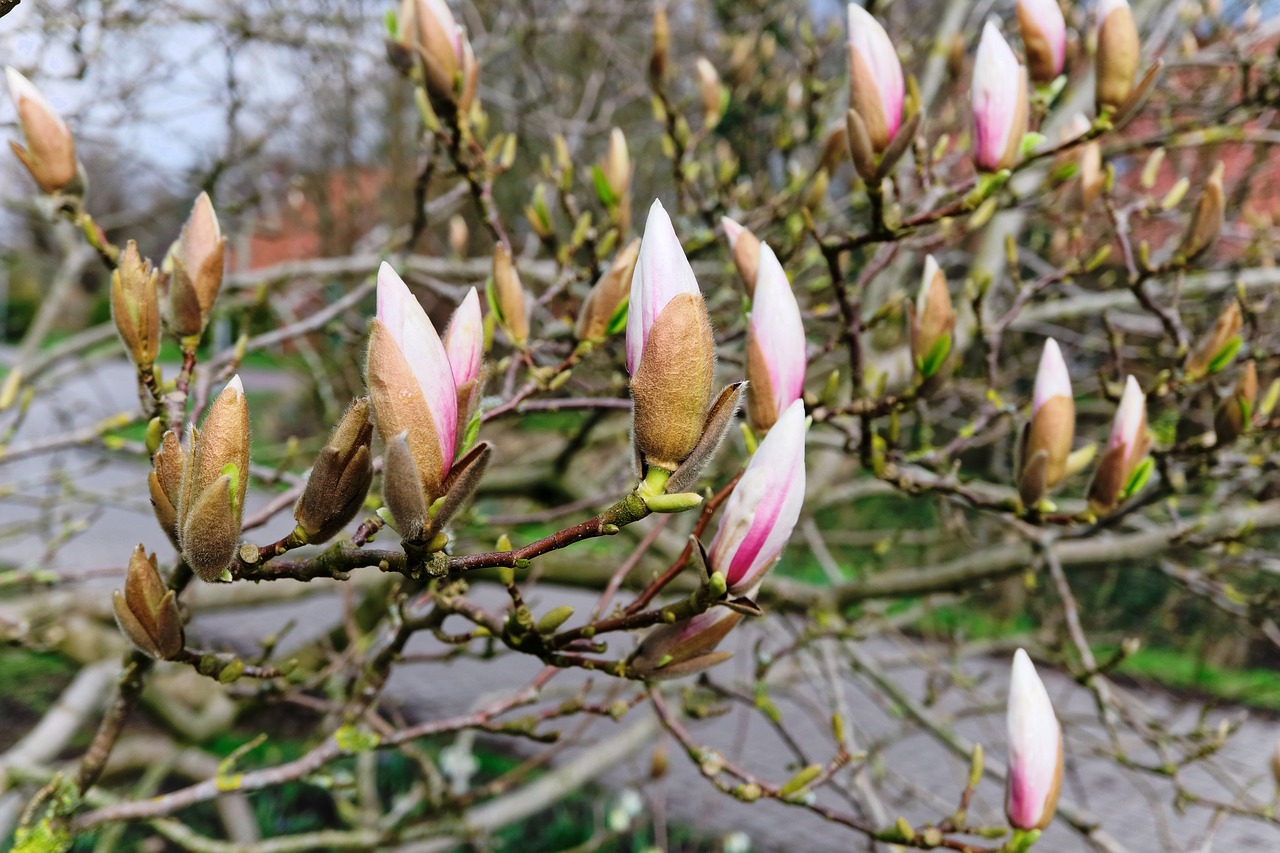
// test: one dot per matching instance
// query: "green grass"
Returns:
(1256, 688)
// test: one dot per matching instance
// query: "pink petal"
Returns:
(994, 96)
(868, 38)
(1034, 741)
(776, 325)
(1048, 17)
(464, 339)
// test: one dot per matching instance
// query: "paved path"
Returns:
(920, 778)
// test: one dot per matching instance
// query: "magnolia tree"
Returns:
(1013, 274)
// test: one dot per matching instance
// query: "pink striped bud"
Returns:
(776, 356)
(1044, 34)
(464, 344)
(683, 648)
(1046, 442)
(876, 88)
(764, 507)
(999, 100)
(1035, 749)
(411, 384)
(1126, 448)
(50, 155)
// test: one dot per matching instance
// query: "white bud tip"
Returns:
(732, 230)
(236, 385)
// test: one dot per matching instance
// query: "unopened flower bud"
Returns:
(429, 28)
(710, 90)
(458, 235)
(745, 249)
(195, 276)
(1235, 413)
(464, 344)
(670, 348)
(1126, 449)
(1035, 750)
(602, 312)
(1044, 35)
(135, 306)
(508, 297)
(165, 484)
(835, 150)
(776, 357)
(1216, 348)
(215, 479)
(339, 478)
(933, 321)
(616, 165)
(661, 45)
(683, 648)
(1206, 222)
(1088, 162)
(470, 76)
(1046, 441)
(50, 155)
(877, 90)
(1119, 52)
(762, 511)
(147, 610)
(999, 100)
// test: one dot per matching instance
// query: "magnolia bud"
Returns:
(710, 90)
(1044, 35)
(670, 348)
(1213, 347)
(1035, 750)
(999, 100)
(1126, 449)
(1046, 441)
(1206, 222)
(340, 477)
(195, 276)
(147, 610)
(1088, 162)
(1119, 52)
(464, 344)
(776, 357)
(835, 150)
(603, 311)
(683, 648)
(215, 479)
(1235, 413)
(616, 165)
(661, 44)
(470, 76)
(165, 484)
(876, 88)
(508, 297)
(135, 305)
(442, 49)
(745, 248)
(50, 155)
(933, 320)
(458, 234)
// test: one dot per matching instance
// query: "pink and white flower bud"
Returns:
(464, 340)
(999, 100)
(764, 507)
(50, 155)
(1052, 377)
(1035, 749)
(776, 357)
(662, 272)
(1130, 421)
(1126, 448)
(1044, 34)
(877, 90)
(1046, 443)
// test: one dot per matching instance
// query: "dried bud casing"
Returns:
(135, 305)
(1119, 52)
(745, 249)
(215, 479)
(603, 308)
(1235, 413)
(1206, 223)
(165, 484)
(1213, 345)
(50, 155)
(195, 270)
(683, 648)
(147, 610)
(340, 477)
(508, 297)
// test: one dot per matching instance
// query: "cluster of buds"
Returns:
(1234, 415)
(876, 92)
(50, 155)
(194, 266)
(507, 297)
(1119, 52)
(744, 247)
(1044, 35)
(415, 406)
(776, 357)
(428, 36)
(999, 101)
(1124, 467)
(604, 311)
(198, 496)
(1046, 440)
(671, 360)
(339, 479)
(147, 610)
(135, 306)
(933, 320)
(1035, 749)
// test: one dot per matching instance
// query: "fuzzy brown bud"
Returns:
(509, 298)
(1212, 345)
(1046, 441)
(606, 298)
(340, 477)
(710, 91)
(195, 270)
(661, 45)
(147, 610)
(1206, 222)
(165, 484)
(1235, 413)
(135, 305)
(744, 247)
(214, 482)
(1119, 52)
(50, 155)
